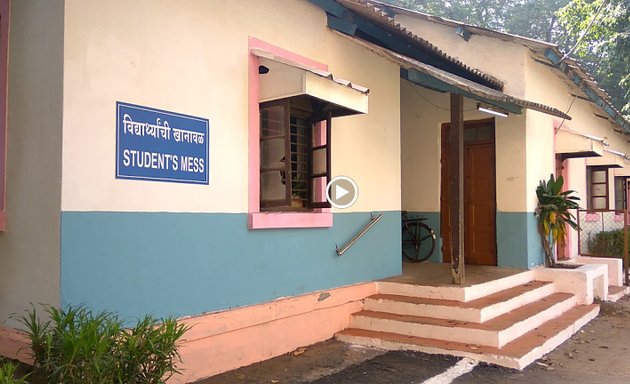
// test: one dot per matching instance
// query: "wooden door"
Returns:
(479, 194)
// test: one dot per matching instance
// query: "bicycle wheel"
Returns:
(418, 241)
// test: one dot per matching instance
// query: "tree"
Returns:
(529, 18)
(605, 49)
(604, 52)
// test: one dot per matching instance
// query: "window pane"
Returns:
(272, 154)
(598, 177)
(272, 121)
(272, 186)
(599, 190)
(599, 203)
(319, 161)
(273, 148)
(319, 189)
(300, 148)
(620, 193)
(478, 134)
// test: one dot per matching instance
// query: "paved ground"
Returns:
(599, 353)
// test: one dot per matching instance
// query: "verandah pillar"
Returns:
(456, 188)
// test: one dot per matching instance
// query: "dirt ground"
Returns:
(598, 353)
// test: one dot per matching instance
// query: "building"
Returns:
(147, 146)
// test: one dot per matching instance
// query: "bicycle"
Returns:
(418, 239)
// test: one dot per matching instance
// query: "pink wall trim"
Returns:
(267, 220)
(567, 182)
(255, 43)
(565, 175)
(4, 64)
(222, 341)
(319, 218)
(254, 136)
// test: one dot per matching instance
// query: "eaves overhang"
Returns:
(442, 81)
(549, 54)
(572, 144)
(366, 20)
(588, 86)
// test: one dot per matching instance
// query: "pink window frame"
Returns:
(4, 65)
(318, 218)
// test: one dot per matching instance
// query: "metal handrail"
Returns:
(373, 220)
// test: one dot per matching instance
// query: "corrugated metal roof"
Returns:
(539, 48)
(374, 12)
(481, 92)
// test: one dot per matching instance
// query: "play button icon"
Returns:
(342, 192)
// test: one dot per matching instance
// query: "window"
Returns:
(620, 193)
(292, 100)
(597, 187)
(294, 161)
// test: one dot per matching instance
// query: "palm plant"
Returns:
(553, 214)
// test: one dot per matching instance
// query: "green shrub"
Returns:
(7, 374)
(606, 243)
(78, 346)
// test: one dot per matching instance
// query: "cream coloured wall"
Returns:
(422, 113)
(367, 147)
(29, 248)
(539, 152)
(503, 60)
(191, 58)
(420, 146)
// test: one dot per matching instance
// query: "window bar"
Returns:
(288, 178)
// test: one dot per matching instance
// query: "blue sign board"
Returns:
(152, 144)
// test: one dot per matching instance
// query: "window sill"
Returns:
(268, 220)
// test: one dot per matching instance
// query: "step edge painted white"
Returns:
(429, 331)
(424, 310)
(505, 361)
(498, 309)
(388, 345)
(522, 327)
(478, 291)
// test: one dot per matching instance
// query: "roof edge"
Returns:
(373, 12)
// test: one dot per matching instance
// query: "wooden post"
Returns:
(456, 187)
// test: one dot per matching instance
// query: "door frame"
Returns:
(468, 124)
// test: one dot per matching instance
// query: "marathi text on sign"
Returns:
(159, 145)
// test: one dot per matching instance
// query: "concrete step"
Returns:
(615, 293)
(477, 311)
(453, 292)
(496, 332)
(517, 354)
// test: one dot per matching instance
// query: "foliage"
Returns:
(605, 49)
(8, 374)
(78, 346)
(553, 214)
(606, 243)
(529, 18)
(604, 52)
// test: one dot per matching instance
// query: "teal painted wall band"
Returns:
(518, 241)
(189, 263)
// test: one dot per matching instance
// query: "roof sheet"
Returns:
(480, 91)
(374, 12)
(540, 48)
